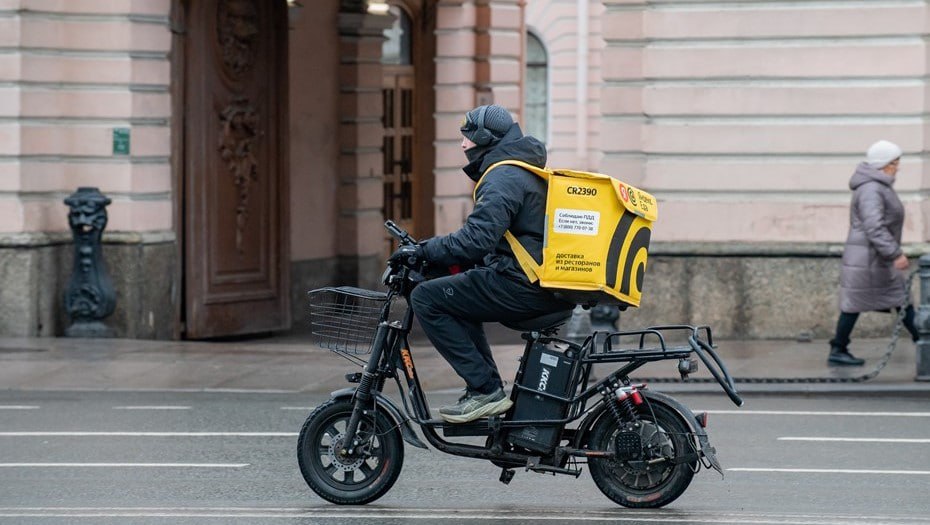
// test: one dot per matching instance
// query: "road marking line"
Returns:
(143, 407)
(120, 465)
(169, 390)
(451, 514)
(856, 440)
(831, 471)
(148, 434)
(814, 413)
(18, 407)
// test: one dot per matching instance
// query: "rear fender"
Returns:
(406, 430)
(670, 403)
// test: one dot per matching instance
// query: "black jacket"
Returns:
(509, 198)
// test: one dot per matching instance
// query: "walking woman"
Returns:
(872, 277)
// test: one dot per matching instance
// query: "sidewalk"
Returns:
(291, 363)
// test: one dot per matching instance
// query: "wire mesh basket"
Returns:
(344, 319)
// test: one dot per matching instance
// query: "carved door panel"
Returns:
(235, 169)
(399, 155)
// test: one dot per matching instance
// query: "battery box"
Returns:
(547, 370)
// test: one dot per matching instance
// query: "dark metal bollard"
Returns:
(923, 321)
(599, 318)
(604, 318)
(90, 296)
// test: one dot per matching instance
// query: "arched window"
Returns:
(536, 89)
(396, 48)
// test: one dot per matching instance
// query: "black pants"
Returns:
(846, 322)
(452, 309)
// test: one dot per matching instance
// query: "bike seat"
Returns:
(543, 323)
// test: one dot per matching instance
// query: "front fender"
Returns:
(672, 404)
(406, 430)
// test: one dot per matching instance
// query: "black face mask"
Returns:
(475, 156)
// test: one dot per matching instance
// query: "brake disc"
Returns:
(339, 462)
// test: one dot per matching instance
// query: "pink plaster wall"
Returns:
(314, 124)
(479, 52)
(58, 134)
(574, 115)
(759, 113)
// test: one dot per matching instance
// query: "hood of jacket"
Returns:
(865, 173)
(513, 146)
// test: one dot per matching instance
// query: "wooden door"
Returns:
(399, 158)
(235, 167)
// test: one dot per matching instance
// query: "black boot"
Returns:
(840, 356)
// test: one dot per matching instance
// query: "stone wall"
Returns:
(345, 271)
(34, 275)
(752, 291)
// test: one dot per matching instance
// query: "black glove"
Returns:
(409, 255)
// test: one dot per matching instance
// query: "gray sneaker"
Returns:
(473, 406)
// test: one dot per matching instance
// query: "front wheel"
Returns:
(654, 480)
(349, 479)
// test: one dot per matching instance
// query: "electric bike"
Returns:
(642, 447)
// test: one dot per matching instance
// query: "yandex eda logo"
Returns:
(623, 192)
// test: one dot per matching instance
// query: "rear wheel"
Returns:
(639, 483)
(349, 479)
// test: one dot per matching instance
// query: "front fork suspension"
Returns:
(372, 381)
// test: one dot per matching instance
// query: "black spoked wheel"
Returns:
(349, 479)
(655, 481)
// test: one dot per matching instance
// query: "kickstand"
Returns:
(506, 475)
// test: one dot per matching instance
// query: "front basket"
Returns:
(344, 319)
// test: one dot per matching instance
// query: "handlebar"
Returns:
(399, 233)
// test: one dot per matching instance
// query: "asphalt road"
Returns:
(229, 457)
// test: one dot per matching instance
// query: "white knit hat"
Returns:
(882, 153)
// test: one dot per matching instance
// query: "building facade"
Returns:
(252, 149)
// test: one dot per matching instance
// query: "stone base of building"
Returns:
(751, 291)
(344, 271)
(35, 270)
(741, 291)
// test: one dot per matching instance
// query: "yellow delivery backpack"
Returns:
(596, 237)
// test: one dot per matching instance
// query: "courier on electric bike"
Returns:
(642, 447)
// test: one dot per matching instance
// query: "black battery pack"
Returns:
(546, 370)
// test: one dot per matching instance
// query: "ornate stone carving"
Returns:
(90, 296)
(239, 135)
(237, 30)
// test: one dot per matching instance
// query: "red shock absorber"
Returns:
(625, 403)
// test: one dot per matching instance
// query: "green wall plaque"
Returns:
(121, 141)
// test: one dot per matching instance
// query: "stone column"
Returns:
(360, 138)
(455, 94)
(478, 61)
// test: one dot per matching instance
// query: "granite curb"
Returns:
(293, 365)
